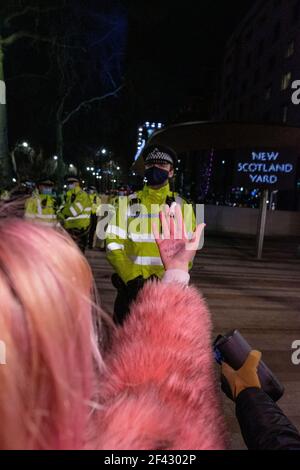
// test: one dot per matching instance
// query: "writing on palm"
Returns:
(172, 248)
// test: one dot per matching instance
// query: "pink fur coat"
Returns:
(159, 391)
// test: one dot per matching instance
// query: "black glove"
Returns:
(134, 286)
(117, 282)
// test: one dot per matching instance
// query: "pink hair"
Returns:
(158, 389)
(46, 325)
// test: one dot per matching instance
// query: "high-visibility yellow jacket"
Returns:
(113, 200)
(4, 195)
(76, 212)
(41, 208)
(130, 244)
(95, 202)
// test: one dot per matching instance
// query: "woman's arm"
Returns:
(162, 358)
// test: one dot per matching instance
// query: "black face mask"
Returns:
(156, 176)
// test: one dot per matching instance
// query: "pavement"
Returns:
(259, 298)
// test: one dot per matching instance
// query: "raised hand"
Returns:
(176, 250)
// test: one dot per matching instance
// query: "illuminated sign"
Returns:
(269, 169)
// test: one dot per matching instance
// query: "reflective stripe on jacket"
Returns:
(42, 209)
(77, 210)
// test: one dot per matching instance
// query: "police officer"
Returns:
(95, 205)
(4, 195)
(41, 207)
(75, 214)
(130, 243)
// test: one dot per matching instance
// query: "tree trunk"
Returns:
(5, 163)
(60, 153)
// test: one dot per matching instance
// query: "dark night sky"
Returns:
(174, 45)
(171, 48)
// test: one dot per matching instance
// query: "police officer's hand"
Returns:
(245, 377)
(176, 250)
(134, 286)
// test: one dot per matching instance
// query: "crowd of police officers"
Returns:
(74, 211)
(129, 241)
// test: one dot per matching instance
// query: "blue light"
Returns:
(140, 148)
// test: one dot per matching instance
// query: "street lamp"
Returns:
(55, 157)
(25, 145)
(104, 151)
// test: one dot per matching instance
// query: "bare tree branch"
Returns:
(25, 34)
(28, 75)
(62, 104)
(87, 102)
(29, 9)
(111, 78)
(106, 36)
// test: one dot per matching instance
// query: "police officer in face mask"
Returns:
(42, 206)
(130, 243)
(75, 214)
